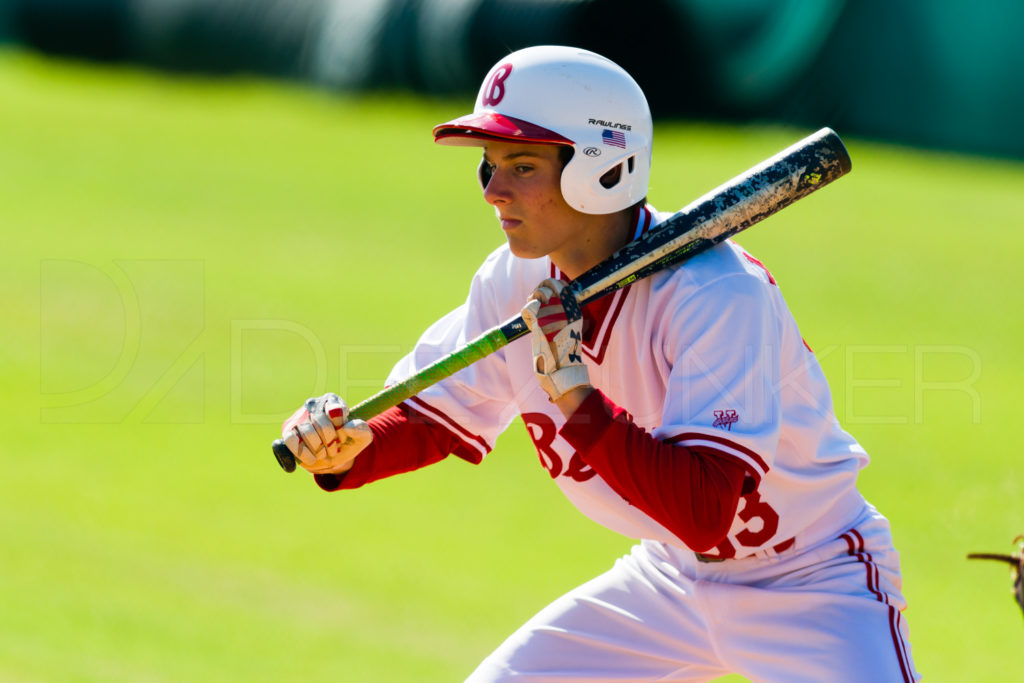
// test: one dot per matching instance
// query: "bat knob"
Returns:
(284, 456)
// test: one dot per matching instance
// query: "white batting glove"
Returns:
(556, 329)
(322, 438)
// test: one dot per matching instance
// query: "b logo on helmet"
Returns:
(495, 90)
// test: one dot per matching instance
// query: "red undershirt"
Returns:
(692, 492)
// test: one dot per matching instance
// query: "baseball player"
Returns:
(685, 411)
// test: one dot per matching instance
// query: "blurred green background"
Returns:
(189, 258)
(943, 75)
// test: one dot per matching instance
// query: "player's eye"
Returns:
(484, 172)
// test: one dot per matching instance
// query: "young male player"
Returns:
(685, 411)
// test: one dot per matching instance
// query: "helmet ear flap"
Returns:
(615, 185)
(484, 173)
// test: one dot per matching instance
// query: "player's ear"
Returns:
(484, 173)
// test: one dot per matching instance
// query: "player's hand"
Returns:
(556, 329)
(322, 438)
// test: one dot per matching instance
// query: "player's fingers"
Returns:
(551, 312)
(298, 449)
(554, 284)
(552, 318)
(530, 312)
(324, 427)
(353, 437)
(336, 408)
(542, 293)
(291, 440)
(299, 416)
(357, 435)
(310, 437)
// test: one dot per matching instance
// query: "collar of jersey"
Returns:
(599, 316)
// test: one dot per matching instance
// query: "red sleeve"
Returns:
(403, 440)
(692, 492)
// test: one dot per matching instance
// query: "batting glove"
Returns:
(556, 329)
(322, 438)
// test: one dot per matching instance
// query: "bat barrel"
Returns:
(792, 174)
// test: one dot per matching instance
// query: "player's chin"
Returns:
(523, 249)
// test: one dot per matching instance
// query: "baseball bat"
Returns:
(772, 185)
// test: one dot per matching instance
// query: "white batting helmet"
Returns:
(555, 95)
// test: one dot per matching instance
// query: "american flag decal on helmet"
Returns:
(615, 138)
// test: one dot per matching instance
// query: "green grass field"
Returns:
(187, 260)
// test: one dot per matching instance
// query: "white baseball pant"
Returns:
(831, 612)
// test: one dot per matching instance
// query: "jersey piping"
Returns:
(474, 442)
(752, 462)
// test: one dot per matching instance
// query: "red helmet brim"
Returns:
(472, 129)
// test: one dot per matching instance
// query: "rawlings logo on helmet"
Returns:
(609, 124)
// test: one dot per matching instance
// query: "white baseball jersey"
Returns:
(705, 354)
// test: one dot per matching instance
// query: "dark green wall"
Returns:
(936, 73)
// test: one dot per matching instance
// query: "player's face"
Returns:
(525, 191)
